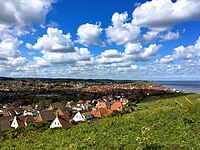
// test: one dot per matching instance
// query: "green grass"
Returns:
(162, 124)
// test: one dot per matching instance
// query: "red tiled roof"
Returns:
(22, 119)
(101, 112)
(46, 115)
(64, 122)
(63, 112)
(10, 112)
(101, 105)
(117, 106)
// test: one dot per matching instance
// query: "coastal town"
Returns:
(64, 103)
(99, 75)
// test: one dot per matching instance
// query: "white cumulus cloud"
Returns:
(53, 41)
(89, 34)
(121, 31)
(150, 35)
(132, 48)
(162, 14)
(111, 53)
(141, 54)
(18, 18)
(62, 59)
(109, 57)
(184, 53)
(22, 14)
(9, 47)
(170, 36)
(167, 59)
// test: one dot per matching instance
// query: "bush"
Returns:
(115, 113)
(43, 125)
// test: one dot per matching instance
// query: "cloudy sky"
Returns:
(112, 39)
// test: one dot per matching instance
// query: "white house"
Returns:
(56, 123)
(82, 116)
(22, 121)
(60, 121)
(77, 108)
(79, 104)
(1, 112)
(79, 117)
(14, 124)
(27, 113)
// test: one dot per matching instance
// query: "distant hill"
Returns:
(74, 80)
(6, 78)
(66, 80)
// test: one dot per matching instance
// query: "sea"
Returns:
(184, 86)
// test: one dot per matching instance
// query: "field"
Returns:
(160, 123)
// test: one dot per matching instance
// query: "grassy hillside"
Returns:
(167, 123)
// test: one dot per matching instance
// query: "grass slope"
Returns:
(167, 123)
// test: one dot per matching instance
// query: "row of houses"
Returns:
(63, 117)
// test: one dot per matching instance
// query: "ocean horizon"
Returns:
(184, 86)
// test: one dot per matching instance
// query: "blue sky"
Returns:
(112, 39)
